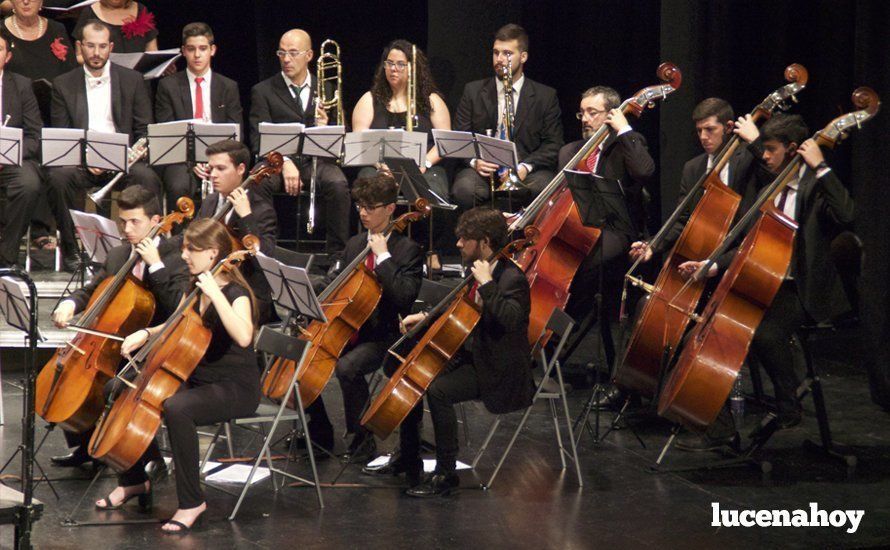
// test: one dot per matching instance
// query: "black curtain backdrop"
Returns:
(732, 49)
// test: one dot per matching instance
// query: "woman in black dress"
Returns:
(225, 384)
(133, 27)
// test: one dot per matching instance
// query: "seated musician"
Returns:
(196, 93)
(495, 364)
(397, 263)
(102, 97)
(812, 290)
(22, 183)
(289, 96)
(160, 269)
(224, 385)
(250, 213)
(538, 129)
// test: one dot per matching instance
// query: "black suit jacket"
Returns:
(173, 100)
(399, 276)
(130, 104)
(624, 158)
(166, 284)
(537, 126)
(20, 105)
(499, 345)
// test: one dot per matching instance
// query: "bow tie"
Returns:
(96, 82)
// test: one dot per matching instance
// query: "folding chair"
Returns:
(561, 326)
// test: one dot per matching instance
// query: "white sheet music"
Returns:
(453, 144)
(61, 146)
(10, 146)
(108, 151)
(284, 138)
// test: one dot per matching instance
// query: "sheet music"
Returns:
(323, 141)
(291, 288)
(497, 151)
(167, 143)
(14, 303)
(61, 146)
(98, 234)
(11, 146)
(368, 147)
(151, 64)
(108, 151)
(208, 133)
(284, 138)
(453, 144)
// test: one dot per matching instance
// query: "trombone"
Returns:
(411, 109)
(327, 69)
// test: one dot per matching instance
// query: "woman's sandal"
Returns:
(144, 501)
(183, 528)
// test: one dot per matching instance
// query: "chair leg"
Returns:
(485, 443)
(463, 419)
(210, 448)
(497, 468)
(562, 450)
(228, 428)
(568, 418)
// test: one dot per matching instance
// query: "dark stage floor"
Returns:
(532, 504)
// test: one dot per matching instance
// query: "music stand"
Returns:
(371, 147)
(470, 145)
(97, 235)
(10, 146)
(291, 288)
(85, 149)
(283, 138)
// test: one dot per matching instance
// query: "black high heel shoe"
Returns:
(183, 528)
(144, 500)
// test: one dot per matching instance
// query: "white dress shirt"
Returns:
(305, 92)
(205, 92)
(98, 89)
(724, 172)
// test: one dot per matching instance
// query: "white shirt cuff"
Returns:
(625, 130)
(156, 267)
(473, 163)
(822, 172)
(72, 302)
(528, 167)
(382, 258)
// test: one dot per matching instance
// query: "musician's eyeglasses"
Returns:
(589, 112)
(393, 65)
(369, 207)
(293, 54)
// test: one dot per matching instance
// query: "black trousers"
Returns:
(67, 183)
(470, 189)
(332, 189)
(772, 344)
(179, 181)
(194, 405)
(458, 384)
(24, 188)
(609, 258)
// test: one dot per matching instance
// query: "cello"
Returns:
(659, 328)
(348, 301)
(551, 263)
(429, 357)
(708, 366)
(129, 423)
(68, 391)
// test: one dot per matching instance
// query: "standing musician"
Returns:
(161, 271)
(102, 97)
(397, 263)
(496, 363)
(22, 183)
(196, 93)
(290, 97)
(224, 385)
(812, 289)
(252, 213)
(538, 129)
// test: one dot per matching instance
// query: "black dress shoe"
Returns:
(361, 449)
(700, 443)
(411, 469)
(72, 460)
(436, 485)
(392, 467)
(156, 469)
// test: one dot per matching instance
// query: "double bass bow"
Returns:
(131, 420)
(69, 387)
(708, 365)
(551, 263)
(658, 328)
(428, 358)
(348, 301)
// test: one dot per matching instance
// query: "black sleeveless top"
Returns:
(384, 119)
(226, 360)
(131, 37)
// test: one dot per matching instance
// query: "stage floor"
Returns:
(533, 504)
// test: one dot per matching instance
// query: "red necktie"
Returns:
(139, 270)
(472, 293)
(199, 99)
(783, 198)
(592, 158)
(369, 261)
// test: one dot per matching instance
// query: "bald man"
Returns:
(289, 96)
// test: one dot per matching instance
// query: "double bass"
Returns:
(273, 165)
(715, 349)
(348, 301)
(551, 263)
(663, 319)
(69, 387)
(130, 421)
(429, 357)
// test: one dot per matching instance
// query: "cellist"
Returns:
(161, 270)
(225, 384)
(495, 364)
(397, 262)
(811, 291)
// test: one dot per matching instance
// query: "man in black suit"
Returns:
(397, 263)
(160, 268)
(537, 129)
(290, 97)
(104, 97)
(23, 184)
(495, 365)
(196, 93)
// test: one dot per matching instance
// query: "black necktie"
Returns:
(296, 90)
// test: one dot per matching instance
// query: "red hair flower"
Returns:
(59, 50)
(144, 22)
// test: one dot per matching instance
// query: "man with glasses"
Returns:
(537, 127)
(289, 96)
(396, 262)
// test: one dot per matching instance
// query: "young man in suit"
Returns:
(160, 268)
(397, 263)
(289, 96)
(196, 93)
(495, 364)
(812, 289)
(537, 129)
(23, 183)
(99, 96)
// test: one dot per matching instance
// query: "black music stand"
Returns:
(98, 235)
